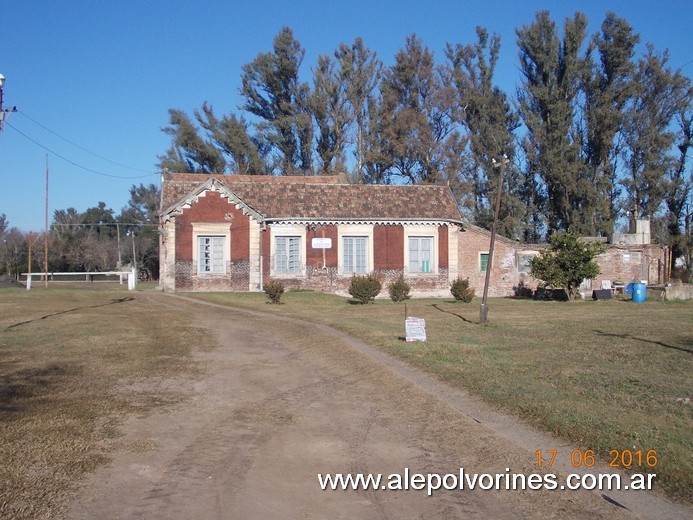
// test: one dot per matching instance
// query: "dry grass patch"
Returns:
(606, 375)
(73, 365)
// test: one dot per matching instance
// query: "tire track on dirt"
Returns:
(285, 400)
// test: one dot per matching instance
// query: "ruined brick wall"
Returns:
(506, 280)
(629, 263)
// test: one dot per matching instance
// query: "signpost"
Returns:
(415, 329)
(321, 243)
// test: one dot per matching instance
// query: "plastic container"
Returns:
(639, 292)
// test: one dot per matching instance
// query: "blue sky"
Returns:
(102, 74)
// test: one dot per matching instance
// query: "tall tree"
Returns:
(551, 69)
(608, 86)
(332, 113)
(647, 133)
(490, 122)
(242, 153)
(418, 103)
(189, 151)
(274, 93)
(361, 69)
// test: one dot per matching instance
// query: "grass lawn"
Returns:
(73, 364)
(605, 375)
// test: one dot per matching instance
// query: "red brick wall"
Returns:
(314, 257)
(388, 247)
(213, 208)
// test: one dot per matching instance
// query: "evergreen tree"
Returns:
(274, 93)
(647, 133)
(361, 70)
(332, 114)
(490, 122)
(679, 184)
(417, 103)
(608, 86)
(189, 151)
(551, 69)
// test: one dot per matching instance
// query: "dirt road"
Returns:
(283, 401)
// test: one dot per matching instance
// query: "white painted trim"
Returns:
(354, 230)
(211, 229)
(288, 230)
(428, 231)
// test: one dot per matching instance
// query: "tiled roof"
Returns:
(305, 198)
(178, 185)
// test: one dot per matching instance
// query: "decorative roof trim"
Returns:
(382, 221)
(212, 184)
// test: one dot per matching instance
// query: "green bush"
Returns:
(365, 288)
(461, 291)
(274, 290)
(399, 289)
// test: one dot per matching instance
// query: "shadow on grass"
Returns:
(628, 336)
(435, 306)
(112, 302)
(19, 389)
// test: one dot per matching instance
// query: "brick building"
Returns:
(232, 232)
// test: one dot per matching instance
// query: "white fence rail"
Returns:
(91, 276)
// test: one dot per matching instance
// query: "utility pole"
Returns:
(45, 234)
(483, 312)
(4, 112)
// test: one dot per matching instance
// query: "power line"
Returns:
(80, 147)
(74, 163)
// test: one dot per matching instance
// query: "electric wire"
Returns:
(90, 170)
(21, 112)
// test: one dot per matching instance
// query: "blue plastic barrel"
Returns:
(639, 292)
(629, 289)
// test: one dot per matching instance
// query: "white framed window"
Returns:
(355, 254)
(287, 254)
(420, 248)
(210, 254)
(420, 254)
(355, 242)
(288, 250)
(211, 247)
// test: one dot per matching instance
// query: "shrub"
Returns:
(461, 291)
(365, 288)
(274, 290)
(399, 289)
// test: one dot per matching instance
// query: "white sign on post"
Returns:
(415, 329)
(321, 243)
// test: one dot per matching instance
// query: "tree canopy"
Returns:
(594, 132)
(566, 262)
